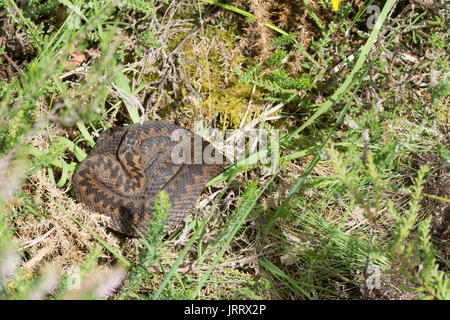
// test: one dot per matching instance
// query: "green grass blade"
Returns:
(343, 88)
(121, 82)
(55, 162)
(247, 205)
(291, 283)
(313, 15)
(282, 208)
(85, 133)
(246, 14)
(63, 179)
(193, 238)
(78, 152)
(27, 23)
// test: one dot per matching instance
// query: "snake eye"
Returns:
(111, 132)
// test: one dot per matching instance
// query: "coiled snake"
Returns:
(129, 165)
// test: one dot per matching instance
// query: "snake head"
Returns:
(109, 140)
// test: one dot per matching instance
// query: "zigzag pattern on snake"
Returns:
(129, 165)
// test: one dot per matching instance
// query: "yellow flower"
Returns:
(335, 4)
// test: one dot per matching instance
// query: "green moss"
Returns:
(222, 94)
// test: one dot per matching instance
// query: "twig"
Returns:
(248, 106)
(36, 241)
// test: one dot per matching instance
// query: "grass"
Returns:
(356, 209)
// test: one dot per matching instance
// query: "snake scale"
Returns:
(128, 167)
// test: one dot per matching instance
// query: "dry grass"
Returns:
(54, 236)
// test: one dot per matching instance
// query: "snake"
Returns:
(129, 165)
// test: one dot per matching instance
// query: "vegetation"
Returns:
(357, 207)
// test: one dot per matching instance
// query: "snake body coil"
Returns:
(130, 165)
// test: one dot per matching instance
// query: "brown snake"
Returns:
(129, 165)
